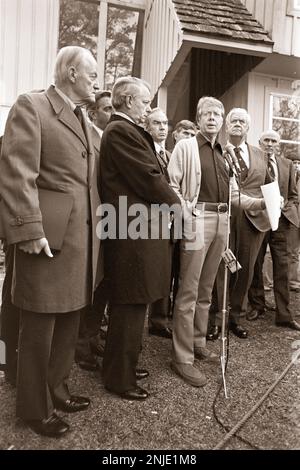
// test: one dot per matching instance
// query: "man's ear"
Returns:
(72, 73)
(128, 101)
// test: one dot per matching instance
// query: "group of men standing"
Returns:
(50, 145)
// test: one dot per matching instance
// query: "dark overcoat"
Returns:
(138, 270)
(44, 146)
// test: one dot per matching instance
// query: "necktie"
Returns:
(271, 169)
(79, 114)
(242, 164)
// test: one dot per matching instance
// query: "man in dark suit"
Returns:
(53, 151)
(137, 267)
(9, 319)
(248, 227)
(90, 344)
(156, 124)
(281, 170)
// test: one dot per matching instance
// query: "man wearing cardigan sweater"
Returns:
(199, 176)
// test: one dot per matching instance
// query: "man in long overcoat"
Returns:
(138, 270)
(46, 145)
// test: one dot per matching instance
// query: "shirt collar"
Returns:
(243, 147)
(203, 140)
(123, 115)
(159, 147)
(65, 98)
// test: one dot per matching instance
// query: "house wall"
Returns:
(28, 45)
(284, 28)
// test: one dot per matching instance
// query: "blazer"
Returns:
(138, 270)
(256, 177)
(288, 190)
(44, 146)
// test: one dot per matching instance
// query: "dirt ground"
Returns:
(178, 416)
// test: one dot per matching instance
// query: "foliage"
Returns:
(78, 25)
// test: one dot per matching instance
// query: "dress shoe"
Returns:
(213, 333)
(205, 354)
(269, 306)
(87, 364)
(73, 404)
(293, 324)
(253, 314)
(238, 331)
(141, 374)
(163, 332)
(295, 289)
(53, 426)
(97, 346)
(136, 393)
(189, 373)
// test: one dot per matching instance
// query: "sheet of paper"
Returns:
(271, 194)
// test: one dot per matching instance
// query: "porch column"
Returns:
(162, 98)
(102, 30)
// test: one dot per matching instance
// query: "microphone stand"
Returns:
(223, 357)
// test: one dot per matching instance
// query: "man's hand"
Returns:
(281, 202)
(34, 247)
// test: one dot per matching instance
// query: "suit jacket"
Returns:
(288, 190)
(51, 151)
(256, 177)
(138, 270)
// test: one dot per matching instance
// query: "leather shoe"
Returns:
(141, 374)
(87, 364)
(289, 324)
(253, 314)
(73, 404)
(213, 333)
(163, 332)
(97, 346)
(205, 354)
(136, 393)
(53, 426)
(238, 331)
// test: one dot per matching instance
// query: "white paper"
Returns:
(271, 194)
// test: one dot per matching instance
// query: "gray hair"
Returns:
(68, 56)
(269, 133)
(125, 86)
(238, 110)
(210, 100)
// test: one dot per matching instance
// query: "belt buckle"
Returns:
(222, 207)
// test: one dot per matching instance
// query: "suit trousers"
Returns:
(46, 352)
(295, 257)
(123, 346)
(246, 241)
(10, 317)
(279, 247)
(198, 269)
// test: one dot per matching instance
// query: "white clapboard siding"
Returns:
(162, 40)
(28, 45)
(283, 27)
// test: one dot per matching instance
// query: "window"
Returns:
(121, 44)
(293, 8)
(285, 119)
(78, 24)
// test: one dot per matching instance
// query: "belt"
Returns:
(219, 207)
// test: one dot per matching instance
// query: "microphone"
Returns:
(234, 161)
